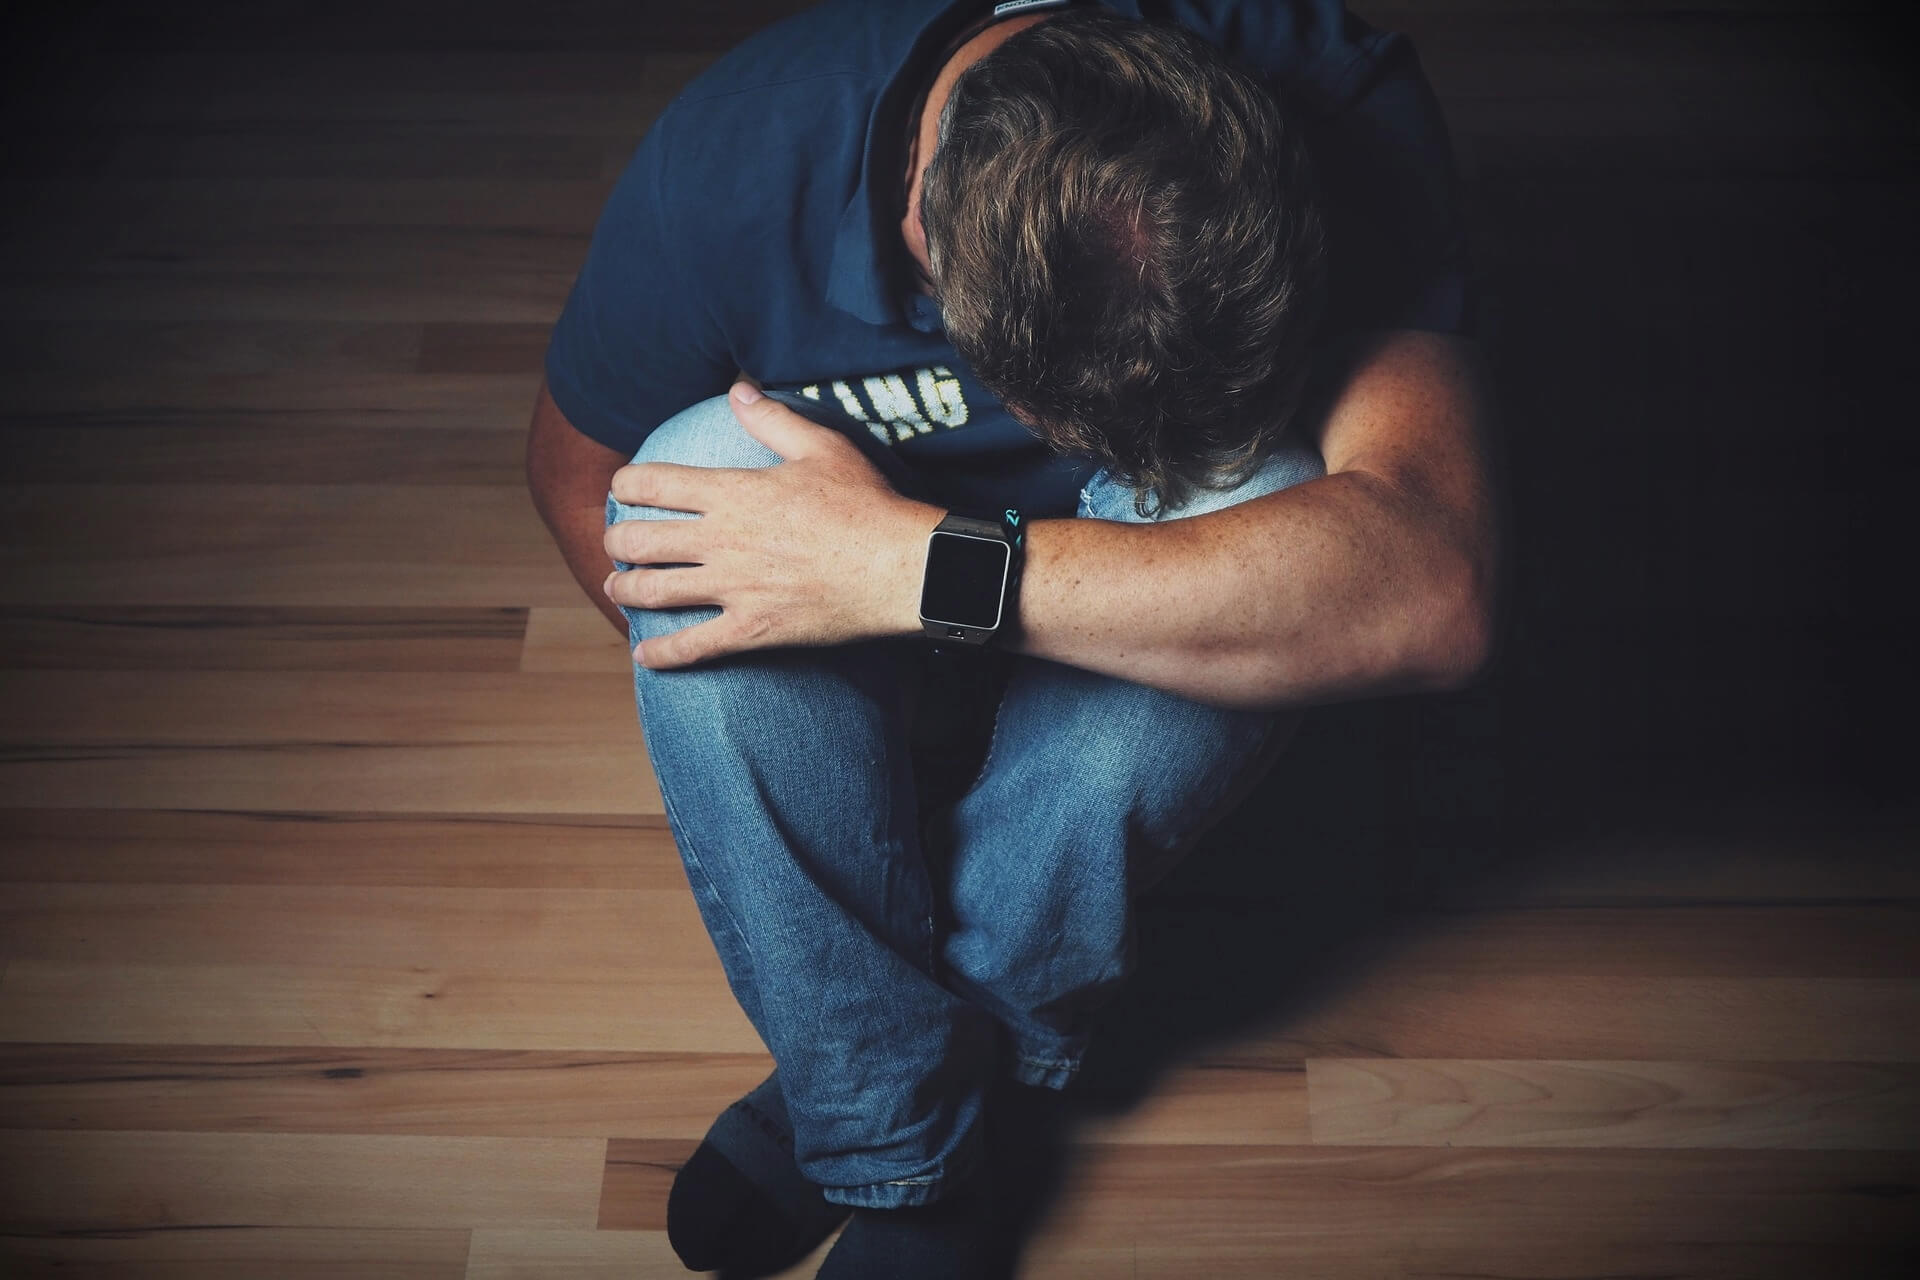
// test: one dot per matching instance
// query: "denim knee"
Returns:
(705, 435)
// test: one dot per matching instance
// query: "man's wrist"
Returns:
(907, 570)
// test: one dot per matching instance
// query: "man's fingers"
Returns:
(789, 434)
(661, 588)
(669, 485)
(711, 639)
(656, 541)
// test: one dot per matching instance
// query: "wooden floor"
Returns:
(342, 936)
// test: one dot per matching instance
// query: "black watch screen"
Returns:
(965, 580)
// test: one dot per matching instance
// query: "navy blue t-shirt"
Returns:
(756, 228)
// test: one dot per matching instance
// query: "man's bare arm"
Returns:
(1378, 578)
(568, 474)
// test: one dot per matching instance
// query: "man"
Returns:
(1002, 260)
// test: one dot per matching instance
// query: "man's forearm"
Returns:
(568, 474)
(1333, 589)
(1377, 578)
(577, 529)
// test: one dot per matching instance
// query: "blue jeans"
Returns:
(893, 962)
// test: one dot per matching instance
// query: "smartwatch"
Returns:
(973, 568)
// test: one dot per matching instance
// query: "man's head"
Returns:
(1122, 233)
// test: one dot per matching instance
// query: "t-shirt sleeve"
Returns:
(635, 344)
(1397, 239)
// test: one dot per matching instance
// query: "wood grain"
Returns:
(237, 1253)
(176, 638)
(572, 640)
(459, 546)
(504, 851)
(575, 1255)
(83, 1181)
(1797, 1105)
(513, 1093)
(393, 741)
(639, 1173)
(686, 1009)
(342, 936)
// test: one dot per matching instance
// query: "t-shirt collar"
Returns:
(859, 280)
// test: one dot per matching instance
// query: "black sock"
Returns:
(740, 1205)
(953, 1238)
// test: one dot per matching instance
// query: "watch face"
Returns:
(965, 579)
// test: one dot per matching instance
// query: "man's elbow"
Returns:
(1457, 645)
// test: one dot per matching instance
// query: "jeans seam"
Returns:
(993, 738)
(1032, 1061)
(685, 843)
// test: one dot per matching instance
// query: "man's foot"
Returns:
(740, 1205)
(1029, 1132)
(950, 1239)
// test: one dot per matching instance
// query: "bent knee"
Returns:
(705, 435)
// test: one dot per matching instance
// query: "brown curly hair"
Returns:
(1127, 247)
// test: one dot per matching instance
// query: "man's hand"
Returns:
(817, 549)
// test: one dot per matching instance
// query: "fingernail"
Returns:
(606, 588)
(745, 392)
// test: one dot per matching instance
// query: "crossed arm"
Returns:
(1378, 578)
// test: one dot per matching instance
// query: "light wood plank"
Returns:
(1798, 1105)
(573, 1255)
(471, 930)
(573, 640)
(461, 546)
(394, 741)
(238, 1253)
(1214, 1103)
(687, 1009)
(102, 1181)
(305, 965)
(504, 851)
(610, 778)
(294, 708)
(105, 638)
(639, 1173)
(517, 1093)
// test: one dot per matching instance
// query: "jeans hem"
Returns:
(909, 1193)
(1048, 1073)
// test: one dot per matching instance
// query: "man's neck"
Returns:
(923, 135)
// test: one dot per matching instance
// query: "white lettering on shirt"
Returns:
(890, 407)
